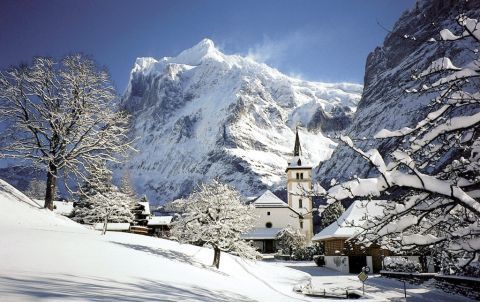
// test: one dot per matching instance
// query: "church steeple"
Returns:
(297, 150)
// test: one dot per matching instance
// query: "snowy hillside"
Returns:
(51, 258)
(204, 114)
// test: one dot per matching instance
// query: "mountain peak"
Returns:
(205, 49)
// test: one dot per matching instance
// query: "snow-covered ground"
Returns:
(47, 257)
(377, 288)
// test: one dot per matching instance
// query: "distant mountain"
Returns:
(384, 103)
(204, 114)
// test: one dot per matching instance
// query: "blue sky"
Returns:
(317, 40)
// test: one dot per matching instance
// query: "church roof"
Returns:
(261, 233)
(269, 200)
(348, 224)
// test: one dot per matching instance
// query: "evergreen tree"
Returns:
(331, 214)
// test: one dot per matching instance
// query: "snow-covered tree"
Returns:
(126, 186)
(61, 116)
(432, 179)
(102, 202)
(215, 216)
(290, 239)
(331, 213)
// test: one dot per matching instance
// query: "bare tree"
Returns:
(61, 116)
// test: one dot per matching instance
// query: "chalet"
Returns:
(343, 255)
(159, 226)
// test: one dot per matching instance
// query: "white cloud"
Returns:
(277, 51)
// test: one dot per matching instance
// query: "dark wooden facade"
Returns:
(341, 247)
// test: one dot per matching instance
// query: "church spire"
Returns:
(297, 150)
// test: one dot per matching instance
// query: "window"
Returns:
(268, 213)
(268, 225)
(300, 203)
(299, 162)
(301, 224)
(298, 175)
(301, 175)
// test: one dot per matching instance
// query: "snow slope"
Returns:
(205, 114)
(47, 257)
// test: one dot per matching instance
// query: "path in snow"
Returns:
(377, 287)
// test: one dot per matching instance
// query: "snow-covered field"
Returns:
(47, 257)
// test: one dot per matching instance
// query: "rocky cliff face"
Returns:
(204, 114)
(384, 103)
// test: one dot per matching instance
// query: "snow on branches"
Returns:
(432, 178)
(102, 202)
(215, 216)
(62, 116)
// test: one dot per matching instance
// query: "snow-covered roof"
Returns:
(293, 163)
(113, 226)
(348, 224)
(262, 233)
(269, 200)
(146, 206)
(160, 220)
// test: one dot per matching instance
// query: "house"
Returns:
(141, 213)
(273, 215)
(343, 255)
(160, 226)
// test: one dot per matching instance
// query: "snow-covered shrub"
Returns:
(306, 253)
(401, 264)
(290, 240)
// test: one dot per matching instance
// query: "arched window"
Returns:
(298, 175)
(301, 175)
(301, 224)
(300, 203)
(268, 225)
(299, 162)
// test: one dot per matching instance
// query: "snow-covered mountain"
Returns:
(204, 114)
(385, 104)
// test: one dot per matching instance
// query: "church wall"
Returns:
(279, 217)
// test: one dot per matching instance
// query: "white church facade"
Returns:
(274, 214)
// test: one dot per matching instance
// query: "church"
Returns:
(275, 214)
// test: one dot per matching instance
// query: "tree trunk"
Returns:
(105, 224)
(51, 186)
(216, 257)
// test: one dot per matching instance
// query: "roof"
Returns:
(113, 226)
(348, 224)
(262, 233)
(269, 200)
(160, 220)
(293, 163)
(146, 207)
